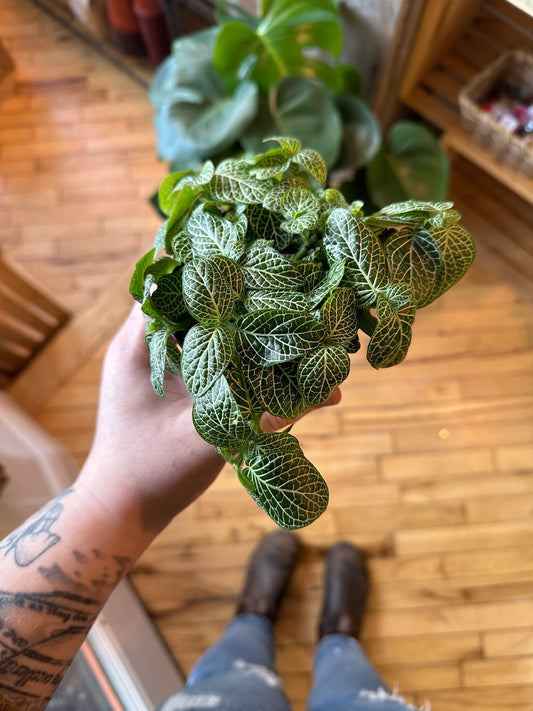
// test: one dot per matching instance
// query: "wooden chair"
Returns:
(29, 317)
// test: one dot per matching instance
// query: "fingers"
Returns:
(270, 423)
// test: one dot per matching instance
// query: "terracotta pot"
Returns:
(151, 18)
(125, 27)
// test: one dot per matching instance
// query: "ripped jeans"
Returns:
(238, 674)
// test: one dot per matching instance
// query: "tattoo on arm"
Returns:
(35, 537)
(41, 631)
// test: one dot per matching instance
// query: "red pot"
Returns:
(125, 27)
(151, 18)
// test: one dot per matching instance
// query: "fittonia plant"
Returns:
(257, 303)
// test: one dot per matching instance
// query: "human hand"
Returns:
(147, 461)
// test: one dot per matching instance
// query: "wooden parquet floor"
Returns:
(429, 464)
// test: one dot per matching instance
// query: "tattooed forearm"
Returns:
(56, 572)
(32, 664)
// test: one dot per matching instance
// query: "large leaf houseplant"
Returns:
(224, 89)
(255, 290)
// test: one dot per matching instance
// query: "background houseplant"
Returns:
(224, 89)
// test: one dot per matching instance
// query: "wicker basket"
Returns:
(515, 66)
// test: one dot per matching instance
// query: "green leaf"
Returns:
(300, 209)
(263, 224)
(320, 372)
(348, 239)
(217, 417)
(168, 297)
(162, 266)
(276, 389)
(137, 279)
(285, 300)
(284, 483)
(213, 235)
(207, 352)
(173, 358)
(415, 258)
(457, 251)
(290, 146)
(182, 203)
(273, 200)
(411, 212)
(168, 188)
(390, 341)
(180, 246)
(361, 134)
(339, 317)
(270, 164)
(233, 183)
(301, 108)
(274, 336)
(157, 345)
(207, 289)
(335, 197)
(331, 280)
(263, 267)
(410, 165)
(313, 163)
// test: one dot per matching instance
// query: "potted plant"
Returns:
(267, 276)
(222, 90)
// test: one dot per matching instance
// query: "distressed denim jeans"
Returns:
(238, 674)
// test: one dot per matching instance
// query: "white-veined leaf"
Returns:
(335, 197)
(286, 300)
(157, 346)
(276, 388)
(173, 359)
(207, 289)
(285, 484)
(273, 336)
(414, 257)
(321, 371)
(273, 200)
(339, 317)
(263, 267)
(168, 297)
(212, 235)
(207, 351)
(264, 224)
(395, 310)
(290, 146)
(233, 183)
(313, 163)
(217, 417)
(348, 238)
(180, 246)
(408, 212)
(457, 250)
(300, 209)
(331, 280)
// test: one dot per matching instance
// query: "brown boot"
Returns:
(269, 572)
(346, 591)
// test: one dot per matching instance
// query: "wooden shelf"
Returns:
(497, 25)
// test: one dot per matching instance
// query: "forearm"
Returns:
(56, 572)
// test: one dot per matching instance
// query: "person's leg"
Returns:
(238, 672)
(344, 679)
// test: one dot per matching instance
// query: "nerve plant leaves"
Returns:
(257, 303)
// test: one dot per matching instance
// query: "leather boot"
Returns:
(346, 590)
(269, 572)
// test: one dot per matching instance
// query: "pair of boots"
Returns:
(346, 583)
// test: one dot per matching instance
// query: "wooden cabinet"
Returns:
(454, 40)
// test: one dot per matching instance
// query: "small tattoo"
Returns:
(31, 542)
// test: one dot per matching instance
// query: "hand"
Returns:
(147, 461)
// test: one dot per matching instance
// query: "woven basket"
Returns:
(515, 66)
